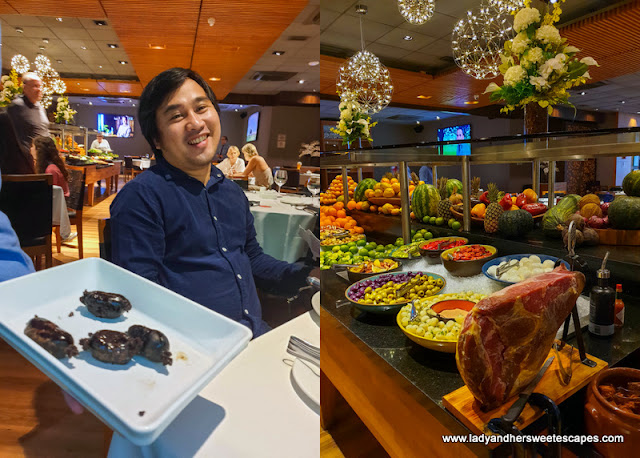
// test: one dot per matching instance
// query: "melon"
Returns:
(631, 184)
(591, 209)
(453, 183)
(559, 214)
(359, 194)
(424, 201)
(515, 223)
(624, 213)
(589, 199)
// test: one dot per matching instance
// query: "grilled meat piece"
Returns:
(50, 337)
(105, 305)
(156, 344)
(112, 346)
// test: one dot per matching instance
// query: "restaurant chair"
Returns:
(27, 200)
(128, 168)
(75, 203)
(104, 238)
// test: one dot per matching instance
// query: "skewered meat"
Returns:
(156, 344)
(507, 336)
(50, 337)
(112, 346)
(105, 305)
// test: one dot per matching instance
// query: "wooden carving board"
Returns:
(619, 237)
(463, 406)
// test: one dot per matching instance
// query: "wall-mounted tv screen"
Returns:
(115, 125)
(455, 133)
(252, 126)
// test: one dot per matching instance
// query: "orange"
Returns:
(358, 230)
(338, 205)
(359, 206)
(332, 211)
(351, 205)
(341, 214)
(373, 208)
(412, 215)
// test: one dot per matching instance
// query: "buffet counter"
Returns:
(396, 387)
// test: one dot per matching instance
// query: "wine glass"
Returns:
(313, 185)
(280, 177)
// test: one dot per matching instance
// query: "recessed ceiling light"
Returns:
(99, 66)
(471, 102)
(41, 48)
(300, 81)
(45, 40)
(157, 46)
(277, 53)
(133, 104)
(78, 84)
(19, 30)
(437, 117)
(315, 90)
(408, 37)
(90, 103)
(241, 106)
(83, 47)
(100, 23)
(214, 78)
(313, 63)
(417, 122)
(597, 109)
(582, 93)
(622, 101)
(112, 45)
(59, 61)
(424, 96)
(59, 19)
(236, 109)
(123, 62)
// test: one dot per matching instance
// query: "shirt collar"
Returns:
(173, 173)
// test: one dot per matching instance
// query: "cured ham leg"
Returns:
(507, 336)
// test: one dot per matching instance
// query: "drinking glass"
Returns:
(313, 185)
(280, 177)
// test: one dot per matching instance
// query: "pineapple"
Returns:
(444, 205)
(494, 210)
(475, 187)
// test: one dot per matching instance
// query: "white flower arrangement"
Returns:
(537, 65)
(353, 123)
(11, 88)
(64, 113)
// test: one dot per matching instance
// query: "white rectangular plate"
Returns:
(202, 343)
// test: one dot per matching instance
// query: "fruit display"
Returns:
(424, 201)
(336, 215)
(515, 223)
(332, 240)
(553, 219)
(453, 187)
(375, 267)
(335, 192)
(624, 213)
(356, 252)
(428, 325)
(443, 208)
(381, 290)
(363, 186)
(494, 210)
(631, 184)
(470, 253)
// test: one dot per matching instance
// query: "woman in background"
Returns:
(48, 160)
(232, 164)
(257, 165)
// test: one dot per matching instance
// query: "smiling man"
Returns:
(181, 223)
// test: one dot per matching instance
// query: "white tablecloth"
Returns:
(251, 409)
(142, 163)
(277, 226)
(60, 216)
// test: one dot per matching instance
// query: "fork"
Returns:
(298, 352)
(306, 346)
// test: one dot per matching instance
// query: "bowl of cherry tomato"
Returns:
(431, 249)
(467, 260)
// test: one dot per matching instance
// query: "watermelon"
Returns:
(367, 183)
(559, 214)
(631, 184)
(624, 213)
(454, 183)
(515, 223)
(424, 201)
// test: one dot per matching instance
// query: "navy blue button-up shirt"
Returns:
(196, 240)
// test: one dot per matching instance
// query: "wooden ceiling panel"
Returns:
(609, 37)
(243, 31)
(84, 87)
(6, 8)
(66, 8)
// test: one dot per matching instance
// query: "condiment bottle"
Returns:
(602, 304)
(619, 307)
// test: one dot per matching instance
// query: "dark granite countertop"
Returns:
(435, 374)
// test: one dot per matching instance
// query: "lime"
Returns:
(357, 259)
(351, 244)
(425, 220)
(344, 248)
(428, 236)
(361, 242)
(363, 252)
(439, 221)
(353, 250)
(380, 248)
(389, 247)
(373, 245)
(399, 241)
(335, 249)
(413, 232)
(432, 220)
(456, 226)
(451, 221)
(418, 237)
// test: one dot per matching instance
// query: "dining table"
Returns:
(142, 163)
(257, 405)
(60, 214)
(278, 219)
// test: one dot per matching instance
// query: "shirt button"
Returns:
(224, 249)
(215, 218)
(246, 312)
(219, 175)
(239, 276)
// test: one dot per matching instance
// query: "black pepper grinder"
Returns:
(602, 304)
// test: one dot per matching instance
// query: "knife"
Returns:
(516, 409)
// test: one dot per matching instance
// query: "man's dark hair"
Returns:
(225, 137)
(156, 93)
